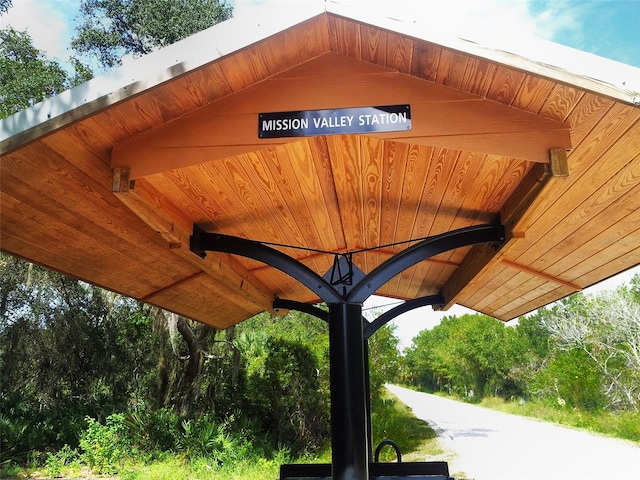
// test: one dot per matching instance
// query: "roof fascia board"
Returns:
(546, 59)
(148, 71)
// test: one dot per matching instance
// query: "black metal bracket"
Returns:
(407, 306)
(200, 242)
(342, 270)
(283, 304)
(368, 328)
(430, 247)
(365, 285)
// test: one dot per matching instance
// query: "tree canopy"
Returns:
(112, 29)
(582, 352)
(26, 75)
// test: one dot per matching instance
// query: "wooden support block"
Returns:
(558, 163)
(122, 182)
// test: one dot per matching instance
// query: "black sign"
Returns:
(309, 123)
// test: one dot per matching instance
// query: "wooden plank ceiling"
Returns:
(478, 151)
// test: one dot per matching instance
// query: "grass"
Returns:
(176, 468)
(202, 468)
(624, 425)
(393, 420)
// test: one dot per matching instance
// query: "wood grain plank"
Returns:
(324, 172)
(610, 245)
(507, 290)
(441, 169)
(533, 94)
(563, 215)
(373, 45)
(226, 270)
(399, 53)
(298, 175)
(442, 166)
(394, 157)
(344, 37)
(77, 253)
(424, 61)
(451, 69)
(478, 77)
(204, 85)
(561, 102)
(506, 83)
(372, 171)
(346, 165)
(544, 297)
(486, 286)
(628, 258)
(535, 289)
(614, 123)
(88, 214)
(609, 207)
(417, 167)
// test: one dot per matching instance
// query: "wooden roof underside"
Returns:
(478, 151)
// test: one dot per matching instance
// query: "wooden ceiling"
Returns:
(483, 133)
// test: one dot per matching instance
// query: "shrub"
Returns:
(64, 457)
(571, 380)
(203, 437)
(104, 446)
(14, 439)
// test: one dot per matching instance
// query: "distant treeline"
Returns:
(582, 352)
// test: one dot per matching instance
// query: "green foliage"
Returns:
(384, 360)
(155, 430)
(571, 381)
(105, 446)
(5, 5)
(204, 437)
(286, 396)
(64, 354)
(26, 76)
(583, 352)
(61, 460)
(112, 29)
(470, 356)
(15, 441)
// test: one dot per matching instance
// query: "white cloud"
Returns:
(46, 21)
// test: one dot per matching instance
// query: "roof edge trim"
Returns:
(545, 58)
(146, 72)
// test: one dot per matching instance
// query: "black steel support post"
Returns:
(349, 435)
(349, 375)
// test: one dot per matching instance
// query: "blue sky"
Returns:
(608, 28)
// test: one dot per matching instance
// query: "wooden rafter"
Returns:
(514, 217)
(169, 223)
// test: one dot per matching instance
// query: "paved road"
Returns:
(490, 445)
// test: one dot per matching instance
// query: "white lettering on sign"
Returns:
(382, 119)
(389, 118)
(285, 124)
(333, 122)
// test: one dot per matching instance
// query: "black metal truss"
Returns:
(201, 242)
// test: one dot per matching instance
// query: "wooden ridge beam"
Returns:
(168, 222)
(441, 117)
